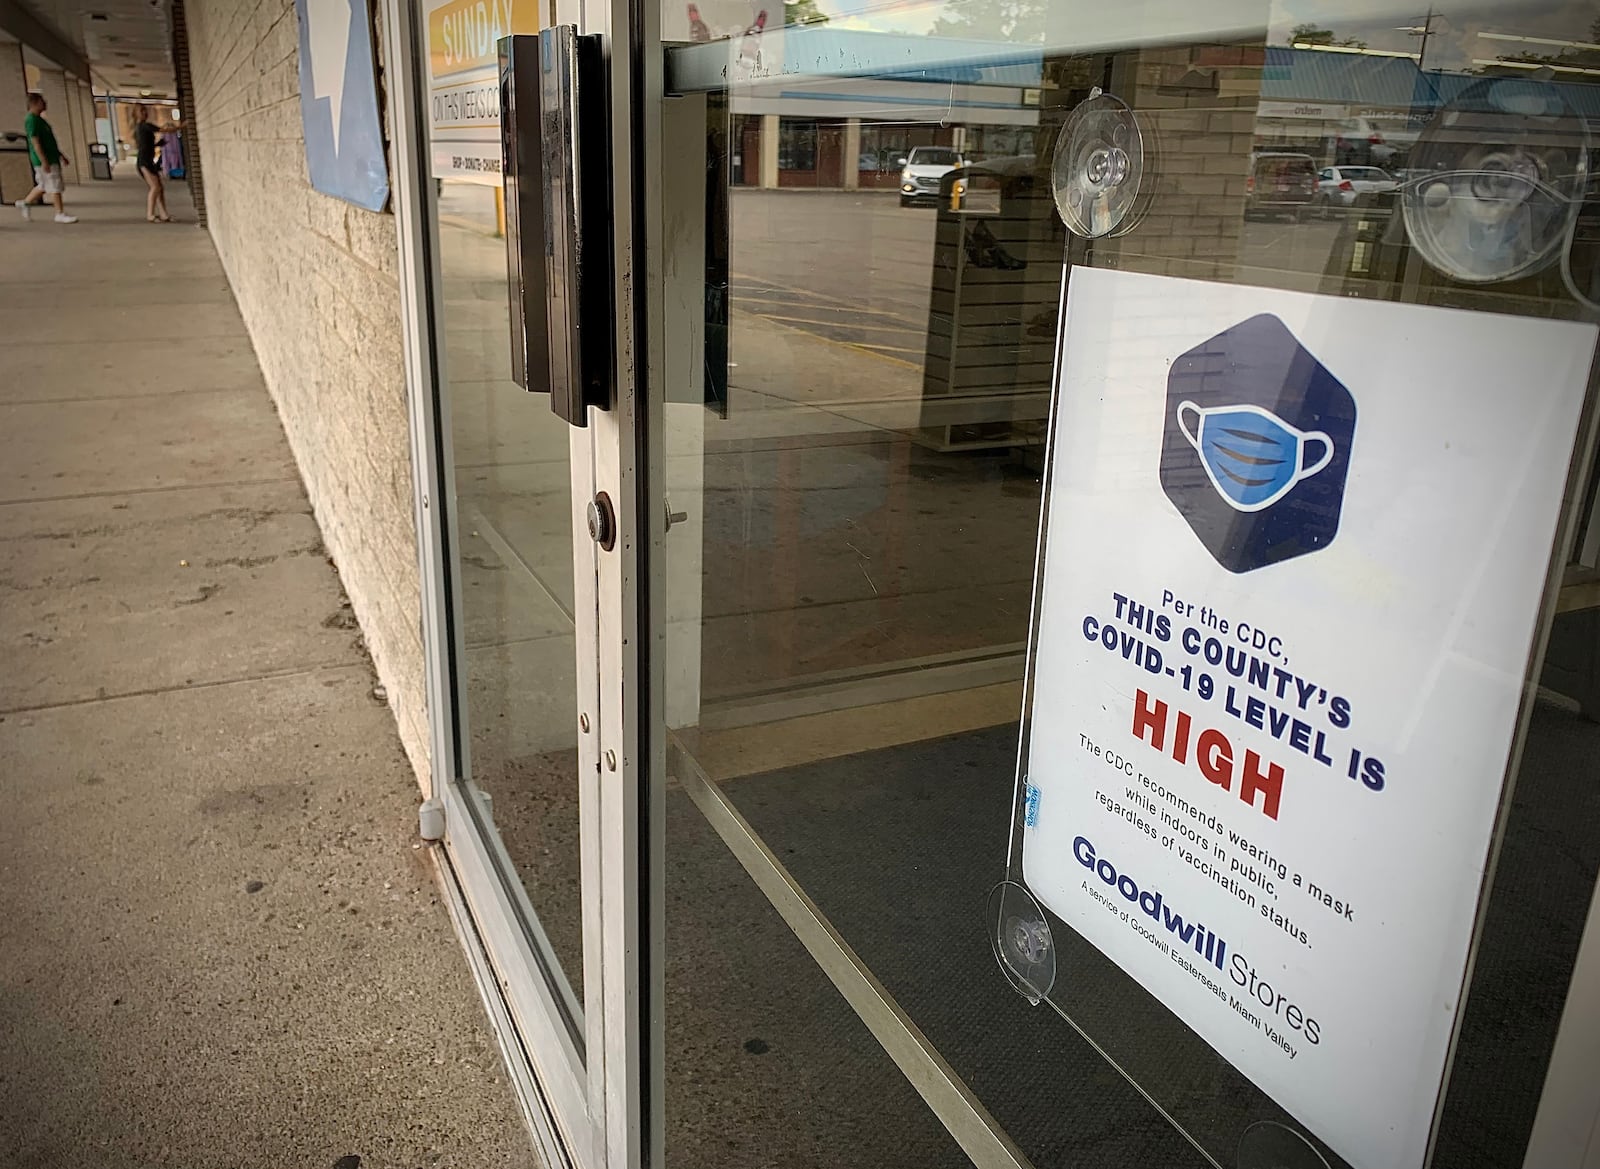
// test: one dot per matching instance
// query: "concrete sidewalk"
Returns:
(219, 942)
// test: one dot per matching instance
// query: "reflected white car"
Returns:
(1339, 186)
(921, 171)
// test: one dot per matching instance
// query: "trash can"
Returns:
(100, 161)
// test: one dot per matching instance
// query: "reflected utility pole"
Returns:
(1423, 30)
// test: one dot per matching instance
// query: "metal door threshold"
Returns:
(535, 1107)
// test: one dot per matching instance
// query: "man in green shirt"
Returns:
(47, 161)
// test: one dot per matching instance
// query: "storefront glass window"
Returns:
(1398, 200)
(797, 145)
(883, 146)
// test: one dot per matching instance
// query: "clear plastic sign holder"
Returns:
(1502, 184)
(1043, 958)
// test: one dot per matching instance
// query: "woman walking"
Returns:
(144, 143)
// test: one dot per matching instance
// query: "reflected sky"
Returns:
(1460, 36)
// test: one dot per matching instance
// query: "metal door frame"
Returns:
(571, 1087)
(628, 752)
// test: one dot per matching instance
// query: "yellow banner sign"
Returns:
(462, 34)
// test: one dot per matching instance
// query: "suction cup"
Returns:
(1020, 935)
(1504, 173)
(1580, 267)
(1270, 1145)
(1098, 167)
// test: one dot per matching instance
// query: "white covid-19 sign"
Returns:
(1294, 554)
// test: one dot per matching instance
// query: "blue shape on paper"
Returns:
(339, 102)
(1256, 445)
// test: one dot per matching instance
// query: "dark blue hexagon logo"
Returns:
(1257, 445)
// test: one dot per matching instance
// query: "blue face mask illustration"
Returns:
(1252, 457)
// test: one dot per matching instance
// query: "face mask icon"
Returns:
(1252, 457)
(1253, 486)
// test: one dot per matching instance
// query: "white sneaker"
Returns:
(65, 218)
(22, 206)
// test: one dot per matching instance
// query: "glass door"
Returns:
(509, 593)
(1098, 665)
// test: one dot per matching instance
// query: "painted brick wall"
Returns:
(316, 282)
(193, 170)
(16, 174)
(1203, 140)
(70, 121)
(13, 87)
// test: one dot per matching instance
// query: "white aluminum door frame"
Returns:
(619, 683)
(556, 1077)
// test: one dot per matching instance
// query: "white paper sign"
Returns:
(1294, 556)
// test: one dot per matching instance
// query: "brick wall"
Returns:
(316, 282)
(91, 133)
(13, 87)
(16, 175)
(193, 172)
(1199, 161)
(70, 115)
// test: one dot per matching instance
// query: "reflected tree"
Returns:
(1578, 55)
(803, 12)
(1311, 34)
(993, 20)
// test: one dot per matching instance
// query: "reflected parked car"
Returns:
(1359, 142)
(1280, 183)
(1341, 186)
(921, 171)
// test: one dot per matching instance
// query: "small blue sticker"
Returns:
(1030, 805)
